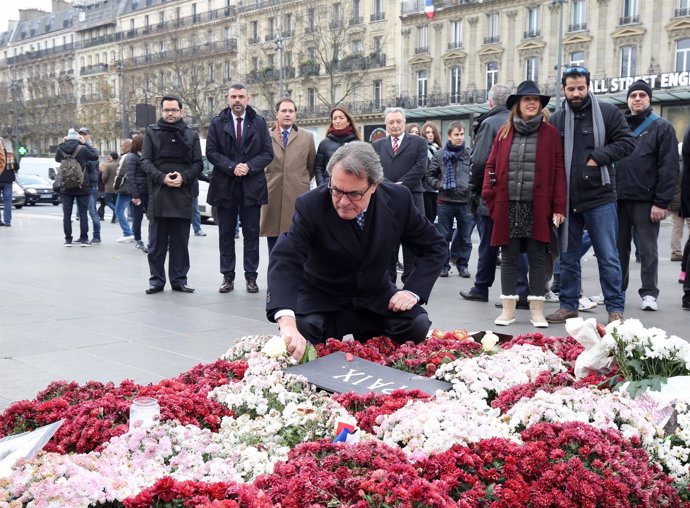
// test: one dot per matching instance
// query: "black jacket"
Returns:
(408, 165)
(685, 178)
(164, 201)
(137, 184)
(650, 173)
(326, 149)
(86, 156)
(585, 185)
(221, 150)
(436, 173)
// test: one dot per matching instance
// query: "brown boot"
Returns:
(561, 315)
(615, 316)
(536, 308)
(507, 317)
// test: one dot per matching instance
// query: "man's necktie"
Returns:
(360, 220)
(239, 132)
(285, 139)
(395, 145)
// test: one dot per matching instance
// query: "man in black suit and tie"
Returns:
(328, 275)
(404, 158)
(239, 147)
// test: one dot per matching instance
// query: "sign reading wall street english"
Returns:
(334, 373)
(655, 81)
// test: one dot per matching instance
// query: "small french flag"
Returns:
(429, 8)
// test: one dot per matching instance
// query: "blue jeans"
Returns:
(93, 212)
(6, 195)
(584, 247)
(110, 200)
(82, 205)
(465, 221)
(602, 224)
(122, 204)
(196, 215)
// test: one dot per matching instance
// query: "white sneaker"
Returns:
(551, 297)
(597, 298)
(649, 303)
(125, 239)
(586, 304)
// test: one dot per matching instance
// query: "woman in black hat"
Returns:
(525, 190)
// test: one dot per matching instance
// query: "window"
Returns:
(683, 55)
(422, 82)
(377, 43)
(311, 99)
(628, 61)
(491, 74)
(254, 30)
(287, 25)
(492, 28)
(454, 85)
(255, 64)
(532, 69)
(161, 18)
(378, 94)
(577, 58)
(209, 104)
(161, 47)
(422, 39)
(532, 29)
(270, 28)
(578, 20)
(146, 22)
(357, 47)
(455, 35)
(209, 37)
(683, 8)
(227, 73)
(337, 16)
(194, 15)
(209, 73)
(311, 20)
(356, 9)
(631, 11)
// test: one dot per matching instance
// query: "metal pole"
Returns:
(14, 88)
(123, 104)
(559, 53)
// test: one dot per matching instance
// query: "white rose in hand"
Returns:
(275, 347)
(489, 341)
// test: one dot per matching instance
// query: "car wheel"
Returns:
(55, 203)
(18, 206)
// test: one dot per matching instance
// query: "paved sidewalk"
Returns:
(81, 313)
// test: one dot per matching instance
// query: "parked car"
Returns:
(18, 198)
(37, 189)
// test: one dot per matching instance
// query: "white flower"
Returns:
(489, 341)
(275, 347)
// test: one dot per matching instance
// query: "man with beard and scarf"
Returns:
(645, 184)
(239, 147)
(172, 161)
(595, 135)
(449, 173)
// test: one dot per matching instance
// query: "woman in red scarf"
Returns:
(341, 130)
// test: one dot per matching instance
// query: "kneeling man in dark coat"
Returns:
(328, 275)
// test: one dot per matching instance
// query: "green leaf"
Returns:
(309, 354)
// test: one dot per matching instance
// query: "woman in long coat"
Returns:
(525, 190)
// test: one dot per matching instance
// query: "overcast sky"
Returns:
(10, 10)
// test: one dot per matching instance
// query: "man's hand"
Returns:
(657, 214)
(592, 163)
(402, 301)
(173, 179)
(294, 342)
(241, 169)
(136, 201)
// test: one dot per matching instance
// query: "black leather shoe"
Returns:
(226, 286)
(474, 295)
(463, 272)
(152, 290)
(251, 286)
(444, 272)
(184, 288)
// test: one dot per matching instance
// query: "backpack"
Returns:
(70, 172)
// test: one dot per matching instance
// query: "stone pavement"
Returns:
(81, 313)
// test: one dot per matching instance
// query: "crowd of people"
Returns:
(540, 188)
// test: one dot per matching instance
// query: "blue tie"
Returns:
(285, 139)
(360, 220)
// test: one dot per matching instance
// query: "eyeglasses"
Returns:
(351, 195)
(173, 110)
(575, 70)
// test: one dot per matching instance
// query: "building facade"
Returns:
(92, 62)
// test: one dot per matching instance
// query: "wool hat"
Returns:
(527, 89)
(642, 85)
(72, 134)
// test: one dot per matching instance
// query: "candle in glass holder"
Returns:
(144, 409)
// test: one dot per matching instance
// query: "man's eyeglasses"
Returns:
(173, 110)
(575, 70)
(351, 195)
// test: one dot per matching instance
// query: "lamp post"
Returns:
(281, 80)
(559, 49)
(123, 105)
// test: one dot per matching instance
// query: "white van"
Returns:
(41, 166)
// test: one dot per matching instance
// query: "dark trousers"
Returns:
(511, 258)
(684, 267)
(430, 205)
(249, 220)
(168, 235)
(363, 325)
(409, 258)
(138, 216)
(82, 208)
(271, 241)
(635, 214)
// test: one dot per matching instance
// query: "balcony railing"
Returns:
(270, 74)
(91, 98)
(356, 20)
(682, 12)
(269, 37)
(333, 25)
(532, 34)
(287, 34)
(207, 49)
(309, 69)
(629, 20)
(41, 53)
(377, 16)
(176, 23)
(455, 45)
(253, 5)
(311, 29)
(93, 69)
(421, 49)
(253, 40)
(492, 39)
(577, 27)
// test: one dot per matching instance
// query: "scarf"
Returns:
(341, 133)
(451, 154)
(599, 131)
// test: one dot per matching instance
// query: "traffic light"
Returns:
(22, 150)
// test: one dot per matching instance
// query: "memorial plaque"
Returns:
(334, 373)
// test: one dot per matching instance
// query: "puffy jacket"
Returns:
(326, 149)
(437, 170)
(650, 173)
(85, 157)
(256, 151)
(585, 186)
(136, 177)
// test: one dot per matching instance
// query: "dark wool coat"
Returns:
(549, 195)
